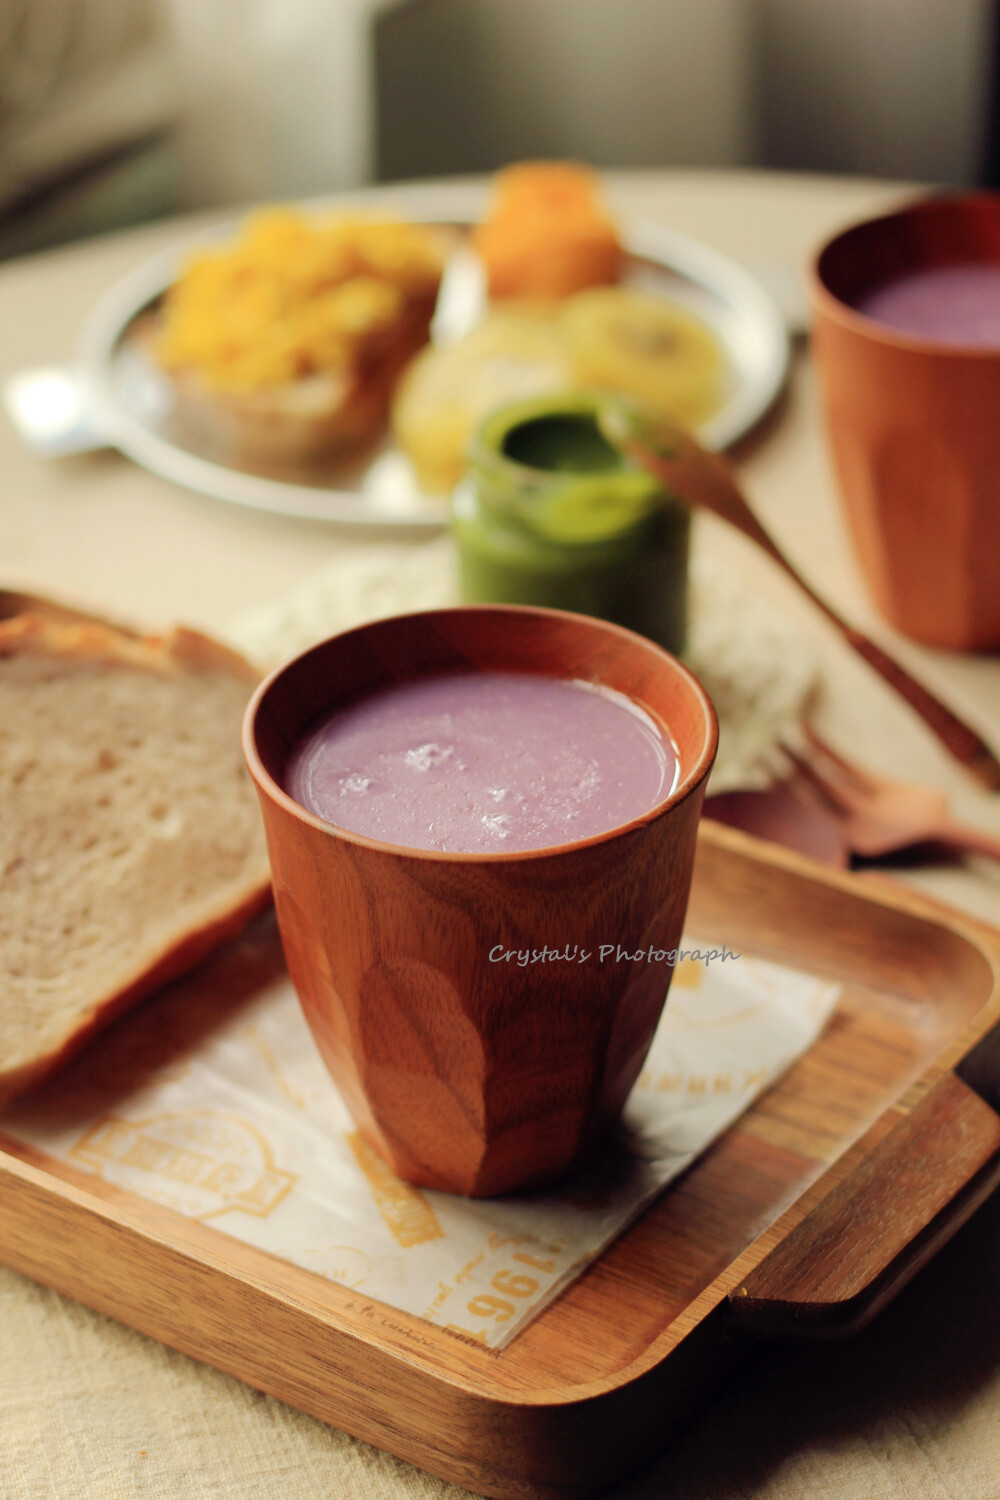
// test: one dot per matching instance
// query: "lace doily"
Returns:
(754, 663)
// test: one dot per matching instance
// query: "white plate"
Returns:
(130, 400)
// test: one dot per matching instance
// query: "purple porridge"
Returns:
(957, 305)
(483, 763)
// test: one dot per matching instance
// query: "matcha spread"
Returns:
(551, 512)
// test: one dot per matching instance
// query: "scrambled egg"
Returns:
(294, 297)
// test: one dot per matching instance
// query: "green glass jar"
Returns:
(551, 512)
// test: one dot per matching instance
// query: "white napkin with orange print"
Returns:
(212, 1100)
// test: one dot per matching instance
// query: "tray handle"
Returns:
(880, 1224)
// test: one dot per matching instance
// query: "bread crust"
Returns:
(91, 639)
(170, 963)
(30, 622)
(55, 630)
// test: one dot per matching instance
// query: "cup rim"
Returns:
(580, 401)
(825, 301)
(686, 785)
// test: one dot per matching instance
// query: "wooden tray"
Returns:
(804, 1218)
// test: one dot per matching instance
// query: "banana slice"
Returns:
(644, 346)
(446, 392)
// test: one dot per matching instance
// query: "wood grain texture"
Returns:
(881, 1223)
(593, 1386)
(468, 1074)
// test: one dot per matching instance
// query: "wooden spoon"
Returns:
(700, 478)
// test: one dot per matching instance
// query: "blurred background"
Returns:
(113, 112)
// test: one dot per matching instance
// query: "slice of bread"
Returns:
(131, 841)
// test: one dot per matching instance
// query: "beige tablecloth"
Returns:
(912, 1406)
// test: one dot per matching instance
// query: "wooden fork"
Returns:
(880, 816)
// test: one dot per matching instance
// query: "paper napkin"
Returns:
(213, 1101)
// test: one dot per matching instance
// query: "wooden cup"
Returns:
(914, 426)
(466, 1071)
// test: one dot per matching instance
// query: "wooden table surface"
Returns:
(91, 1409)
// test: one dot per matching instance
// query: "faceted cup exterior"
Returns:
(914, 427)
(484, 1016)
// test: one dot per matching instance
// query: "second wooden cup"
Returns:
(914, 424)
